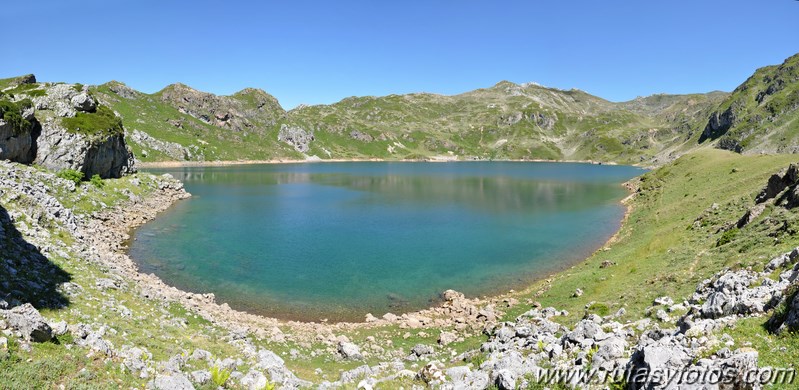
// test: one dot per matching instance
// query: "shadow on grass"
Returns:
(26, 275)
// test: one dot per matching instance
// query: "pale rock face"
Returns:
(296, 137)
(16, 147)
(59, 149)
(27, 320)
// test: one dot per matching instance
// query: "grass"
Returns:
(150, 114)
(666, 246)
(29, 90)
(71, 175)
(11, 113)
(660, 251)
(100, 124)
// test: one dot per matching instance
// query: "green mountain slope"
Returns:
(179, 123)
(505, 121)
(761, 114)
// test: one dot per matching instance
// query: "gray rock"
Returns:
(201, 354)
(133, 360)
(718, 305)
(361, 136)
(297, 137)
(16, 145)
(349, 351)
(355, 374)
(663, 354)
(201, 377)
(664, 301)
(83, 102)
(584, 330)
(267, 359)
(59, 328)
(446, 338)
(254, 380)
(107, 156)
(419, 351)
(506, 380)
(174, 150)
(106, 284)
(170, 382)
(609, 350)
(26, 320)
(789, 321)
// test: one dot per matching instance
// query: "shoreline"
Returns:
(123, 219)
(224, 163)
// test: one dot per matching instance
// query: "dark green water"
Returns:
(338, 240)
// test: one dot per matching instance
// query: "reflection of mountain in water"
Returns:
(494, 194)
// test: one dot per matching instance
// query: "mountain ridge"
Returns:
(503, 121)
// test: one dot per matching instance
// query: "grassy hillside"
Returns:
(506, 121)
(672, 240)
(761, 114)
(669, 243)
(193, 131)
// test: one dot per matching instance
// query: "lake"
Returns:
(339, 240)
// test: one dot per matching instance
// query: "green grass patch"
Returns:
(101, 124)
(11, 112)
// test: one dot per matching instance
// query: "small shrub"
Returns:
(219, 376)
(103, 122)
(71, 175)
(97, 181)
(11, 113)
(599, 309)
(727, 237)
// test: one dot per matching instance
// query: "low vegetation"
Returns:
(667, 245)
(103, 123)
(12, 113)
(71, 175)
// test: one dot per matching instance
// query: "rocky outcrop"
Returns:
(26, 320)
(65, 100)
(718, 124)
(59, 149)
(17, 137)
(297, 137)
(246, 110)
(50, 144)
(174, 150)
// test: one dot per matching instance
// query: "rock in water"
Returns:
(27, 320)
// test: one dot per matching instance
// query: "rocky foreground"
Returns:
(48, 224)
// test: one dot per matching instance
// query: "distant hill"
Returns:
(505, 121)
(761, 114)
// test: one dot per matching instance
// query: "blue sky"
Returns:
(320, 52)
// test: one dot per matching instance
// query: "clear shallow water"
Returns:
(338, 240)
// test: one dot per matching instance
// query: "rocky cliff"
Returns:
(61, 126)
(760, 115)
(18, 130)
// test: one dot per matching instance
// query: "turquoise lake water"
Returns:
(339, 240)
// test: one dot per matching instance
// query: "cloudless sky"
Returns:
(322, 51)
